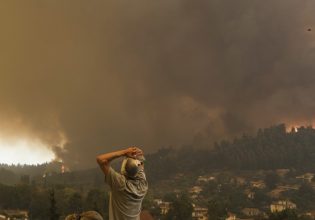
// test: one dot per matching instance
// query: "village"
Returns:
(218, 194)
(264, 193)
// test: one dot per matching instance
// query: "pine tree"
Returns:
(53, 209)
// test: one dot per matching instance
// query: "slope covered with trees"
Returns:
(270, 148)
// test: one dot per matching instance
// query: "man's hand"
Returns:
(133, 152)
(104, 159)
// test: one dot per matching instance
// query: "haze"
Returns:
(85, 77)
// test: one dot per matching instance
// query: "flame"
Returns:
(24, 151)
(294, 127)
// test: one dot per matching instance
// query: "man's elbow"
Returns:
(98, 160)
(101, 162)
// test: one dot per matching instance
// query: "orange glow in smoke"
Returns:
(295, 126)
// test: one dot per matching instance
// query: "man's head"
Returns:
(130, 167)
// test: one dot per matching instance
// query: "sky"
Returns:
(79, 78)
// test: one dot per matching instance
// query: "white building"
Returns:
(231, 216)
(251, 211)
(259, 184)
(282, 205)
(14, 215)
(157, 201)
(199, 213)
(250, 194)
(165, 207)
(195, 190)
(308, 177)
(205, 179)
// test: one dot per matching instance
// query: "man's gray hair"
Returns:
(130, 167)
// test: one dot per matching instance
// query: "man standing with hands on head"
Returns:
(128, 187)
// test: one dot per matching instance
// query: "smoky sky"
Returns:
(109, 74)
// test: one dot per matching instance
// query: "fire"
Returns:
(292, 129)
(295, 127)
(24, 151)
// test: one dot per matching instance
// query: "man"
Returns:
(129, 187)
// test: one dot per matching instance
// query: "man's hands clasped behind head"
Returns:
(133, 152)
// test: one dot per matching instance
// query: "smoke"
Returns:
(87, 77)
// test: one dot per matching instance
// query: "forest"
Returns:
(269, 148)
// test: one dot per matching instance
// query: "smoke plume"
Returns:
(87, 77)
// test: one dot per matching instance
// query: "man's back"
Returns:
(126, 195)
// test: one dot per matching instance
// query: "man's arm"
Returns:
(104, 160)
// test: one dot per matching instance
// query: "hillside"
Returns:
(270, 148)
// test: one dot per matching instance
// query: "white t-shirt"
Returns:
(126, 195)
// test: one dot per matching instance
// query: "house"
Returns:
(231, 216)
(240, 181)
(259, 184)
(157, 201)
(251, 211)
(165, 207)
(195, 190)
(194, 196)
(282, 172)
(277, 192)
(14, 215)
(310, 214)
(250, 194)
(306, 177)
(199, 213)
(205, 179)
(282, 205)
(289, 187)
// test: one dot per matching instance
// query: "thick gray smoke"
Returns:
(104, 74)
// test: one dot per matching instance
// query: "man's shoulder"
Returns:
(115, 180)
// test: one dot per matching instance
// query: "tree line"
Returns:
(269, 148)
(53, 202)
